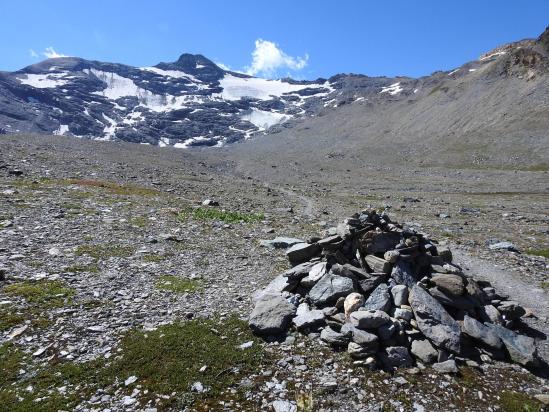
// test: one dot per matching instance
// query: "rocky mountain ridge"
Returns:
(194, 102)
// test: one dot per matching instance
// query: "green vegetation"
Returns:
(518, 402)
(178, 285)
(218, 214)
(165, 361)
(41, 294)
(9, 319)
(538, 252)
(545, 285)
(104, 251)
(115, 188)
(139, 221)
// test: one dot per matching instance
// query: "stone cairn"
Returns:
(390, 297)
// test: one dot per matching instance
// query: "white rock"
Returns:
(130, 380)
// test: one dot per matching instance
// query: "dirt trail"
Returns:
(508, 282)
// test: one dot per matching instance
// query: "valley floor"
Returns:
(122, 292)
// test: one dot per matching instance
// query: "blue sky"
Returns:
(304, 39)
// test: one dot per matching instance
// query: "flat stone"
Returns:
(358, 351)
(404, 314)
(298, 272)
(307, 319)
(373, 280)
(403, 274)
(522, 349)
(400, 295)
(477, 330)
(510, 310)
(276, 287)
(423, 350)
(503, 246)
(458, 302)
(445, 253)
(315, 274)
(433, 320)
(448, 366)
(376, 242)
(302, 252)
(271, 315)
(490, 314)
(450, 284)
(378, 265)
(380, 299)
(369, 319)
(360, 336)
(334, 338)
(281, 242)
(329, 288)
(396, 356)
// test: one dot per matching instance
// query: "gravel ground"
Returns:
(116, 225)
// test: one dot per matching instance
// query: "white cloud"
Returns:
(50, 53)
(33, 53)
(268, 58)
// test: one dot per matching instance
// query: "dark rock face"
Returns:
(433, 320)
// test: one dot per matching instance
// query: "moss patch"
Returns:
(115, 188)
(518, 402)
(539, 252)
(178, 285)
(9, 319)
(165, 361)
(42, 294)
(104, 251)
(217, 214)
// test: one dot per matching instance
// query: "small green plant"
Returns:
(139, 221)
(545, 285)
(41, 293)
(104, 251)
(178, 285)
(518, 402)
(538, 252)
(9, 319)
(217, 214)
(115, 188)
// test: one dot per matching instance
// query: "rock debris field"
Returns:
(391, 298)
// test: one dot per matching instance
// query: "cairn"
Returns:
(390, 297)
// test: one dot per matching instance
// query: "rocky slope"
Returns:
(496, 104)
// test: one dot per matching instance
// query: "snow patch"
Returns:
(44, 81)
(454, 71)
(263, 119)
(392, 89)
(63, 128)
(489, 56)
(109, 129)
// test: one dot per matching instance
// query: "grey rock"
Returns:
(433, 320)
(360, 336)
(458, 302)
(423, 350)
(511, 310)
(358, 351)
(315, 274)
(298, 272)
(276, 287)
(302, 252)
(334, 338)
(307, 319)
(380, 299)
(402, 274)
(281, 242)
(503, 246)
(522, 349)
(329, 288)
(448, 366)
(380, 242)
(386, 331)
(378, 265)
(445, 253)
(400, 295)
(477, 330)
(369, 319)
(396, 356)
(404, 314)
(391, 256)
(489, 313)
(284, 406)
(368, 284)
(271, 315)
(450, 284)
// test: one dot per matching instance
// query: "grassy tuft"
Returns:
(115, 188)
(9, 319)
(165, 361)
(217, 214)
(518, 402)
(178, 285)
(538, 252)
(104, 251)
(42, 294)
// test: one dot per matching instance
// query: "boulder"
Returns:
(403, 274)
(357, 351)
(448, 366)
(396, 356)
(458, 302)
(329, 288)
(522, 349)
(369, 319)
(477, 330)
(334, 338)
(315, 274)
(380, 299)
(450, 284)
(271, 315)
(371, 282)
(298, 272)
(379, 242)
(302, 252)
(386, 331)
(378, 265)
(307, 319)
(400, 295)
(404, 314)
(276, 287)
(445, 253)
(510, 310)
(490, 314)
(433, 320)
(424, 351)
(361, 337)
